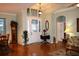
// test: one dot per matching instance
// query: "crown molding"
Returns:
(65, 9)
(12, 14)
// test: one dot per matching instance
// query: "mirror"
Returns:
(46, 25)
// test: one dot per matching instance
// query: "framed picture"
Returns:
(77, 24)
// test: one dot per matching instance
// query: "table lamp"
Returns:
(69, 32)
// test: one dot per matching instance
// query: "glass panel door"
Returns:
(34, 30)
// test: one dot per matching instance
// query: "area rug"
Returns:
(5, 52)
(60, 52)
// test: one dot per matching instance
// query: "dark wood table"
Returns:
(45, 37)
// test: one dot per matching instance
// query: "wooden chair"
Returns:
(4, 41)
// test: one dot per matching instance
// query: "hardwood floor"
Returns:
(36, 49)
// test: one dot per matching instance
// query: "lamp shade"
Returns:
(69, 31)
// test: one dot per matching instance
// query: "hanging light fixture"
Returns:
(39, 12)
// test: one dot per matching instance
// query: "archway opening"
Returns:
(61, 27)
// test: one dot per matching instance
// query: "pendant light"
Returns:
(39, 12)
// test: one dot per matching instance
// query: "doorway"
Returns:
(34, 30)
(61, 26)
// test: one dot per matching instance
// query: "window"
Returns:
(34, 25)
(2, 26)
(28, 12)
(32, 12)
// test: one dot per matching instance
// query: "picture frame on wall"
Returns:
(77, 24)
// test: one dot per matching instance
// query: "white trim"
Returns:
(65, 9)
(8, 13)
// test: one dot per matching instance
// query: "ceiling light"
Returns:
(39, 12)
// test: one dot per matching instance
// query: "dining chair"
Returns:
(4, 41)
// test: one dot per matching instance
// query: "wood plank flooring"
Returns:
(36, 49)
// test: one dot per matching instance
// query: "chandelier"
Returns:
(39, 12)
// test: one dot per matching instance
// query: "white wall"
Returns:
(47, 15)
(8, 18)
(71, 18)
(22, 20)
(21, 24)
(71, 15)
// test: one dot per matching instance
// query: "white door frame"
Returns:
(30, 33)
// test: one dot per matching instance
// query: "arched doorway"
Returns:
(61, 26)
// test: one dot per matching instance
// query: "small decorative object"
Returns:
(54, 40)
(46, 25)
(44, 31)
(45, 36)
(25, 36)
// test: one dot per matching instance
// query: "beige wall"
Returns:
(8, 18)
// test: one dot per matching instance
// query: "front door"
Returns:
(34, 30)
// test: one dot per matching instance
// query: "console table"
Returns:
(45, 37)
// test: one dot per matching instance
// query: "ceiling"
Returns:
(14, 7)
(51, 6)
